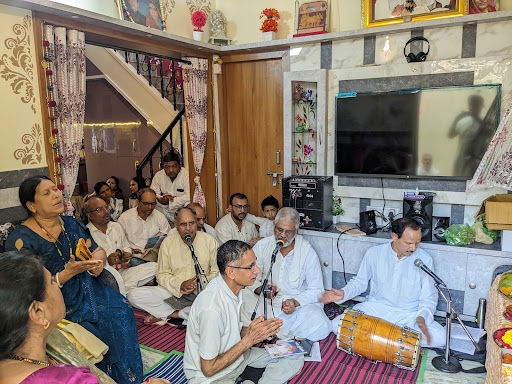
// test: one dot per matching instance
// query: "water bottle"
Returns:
(480, 313)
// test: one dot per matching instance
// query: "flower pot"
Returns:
(198, 35)
(268, 36)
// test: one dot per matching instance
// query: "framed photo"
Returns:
(483, 6)
(143, 12)
(311, 17)
(377, 13)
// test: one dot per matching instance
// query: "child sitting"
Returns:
(269, 206)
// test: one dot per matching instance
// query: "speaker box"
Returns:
(421, 212)
(439, 225)
(367, 222)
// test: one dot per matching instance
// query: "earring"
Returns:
(46, 324)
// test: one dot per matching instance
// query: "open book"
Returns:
(284, 348)
(155, 241)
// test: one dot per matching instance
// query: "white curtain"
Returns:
(195, 86)
(495, 169)
(66, 60)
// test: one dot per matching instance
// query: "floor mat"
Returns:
(164, 338)
(171, 369)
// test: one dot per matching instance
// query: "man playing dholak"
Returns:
(400, 292)
(296, 280)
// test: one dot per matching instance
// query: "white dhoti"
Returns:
(139, 275)
(151, 300)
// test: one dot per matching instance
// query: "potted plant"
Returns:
(269, 25)
(337, 210)
(198, 19)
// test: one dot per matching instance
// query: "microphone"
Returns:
(425, 269)
(188, 239)
(279, 245)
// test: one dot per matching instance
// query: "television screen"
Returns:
(434, 132)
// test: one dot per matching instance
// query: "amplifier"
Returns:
(311, 196)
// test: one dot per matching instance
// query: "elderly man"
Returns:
(171, 185)
(202, 225)
(400, 292)
(143, 222)
(217, 347)
(296, 282)
(137, 17)
(233, 226)
(176, 272)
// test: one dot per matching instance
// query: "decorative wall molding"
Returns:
(18, 68)
(32, 153)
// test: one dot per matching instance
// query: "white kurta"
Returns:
(298, 275)
(266, 225)
(226, 229)
(179, 188)
(138, 231)
(399, 291)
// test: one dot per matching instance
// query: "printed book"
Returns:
(284, 348)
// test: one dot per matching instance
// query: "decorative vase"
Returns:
(269, 36)
(198, 35)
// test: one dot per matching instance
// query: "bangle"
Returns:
(57, 280)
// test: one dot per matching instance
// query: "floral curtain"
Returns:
(65, 55)
(495, 169)
(195, 86)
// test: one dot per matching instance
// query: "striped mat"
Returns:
(170, 369)
(336, 365)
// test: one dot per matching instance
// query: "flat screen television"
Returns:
(427, 132)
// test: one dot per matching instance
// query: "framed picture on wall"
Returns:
(143, 12)
(483, 6)
(311, 17)
(377, 13)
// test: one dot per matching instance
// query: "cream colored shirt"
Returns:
(175, 263)
(226, 229)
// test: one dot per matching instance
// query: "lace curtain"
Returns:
(195, 86)
(66, 60)
(495, 169)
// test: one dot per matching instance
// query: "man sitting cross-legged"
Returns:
(175, 273)
(217, 347)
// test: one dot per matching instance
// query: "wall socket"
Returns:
(378, 219)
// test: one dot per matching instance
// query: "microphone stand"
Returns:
(200, 275)
(447, 363)
(264, 287)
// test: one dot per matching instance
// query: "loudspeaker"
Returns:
(421, 212)
(439, 225)
(367, 222)
(420, 56)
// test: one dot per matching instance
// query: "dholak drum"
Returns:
(378, 340)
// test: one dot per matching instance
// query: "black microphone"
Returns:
(425, 269)
(279, 245)
(188, 239)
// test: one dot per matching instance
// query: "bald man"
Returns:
(202, 225)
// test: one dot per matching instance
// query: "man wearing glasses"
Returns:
(176, 271)
(296, 282)
(202, 225)
(172, 186)
(234, 226)
(217, 347)
(141, 223)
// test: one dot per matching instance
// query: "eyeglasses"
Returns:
(99, 209)
(185, 224)
(251, 267)
(148, 203)
(287, 232)
(240, 207)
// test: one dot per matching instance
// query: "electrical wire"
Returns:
(339, 252)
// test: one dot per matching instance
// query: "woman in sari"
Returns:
(98, 308)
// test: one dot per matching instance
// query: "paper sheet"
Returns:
(315, 353)
(459, 340)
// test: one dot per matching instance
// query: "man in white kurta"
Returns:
(234, 225)
(400, 292)
(217, 347)
(172, 186)
(143, 221)
(296, 279)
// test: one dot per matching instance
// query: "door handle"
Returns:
(278, 157)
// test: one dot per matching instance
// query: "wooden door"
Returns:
(251, 107)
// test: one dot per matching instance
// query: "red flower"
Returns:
(270, 23)
(52, 103)
(58, 159)
(46, 43)
(198, 19)
(60, 187)
(55, 131)
(49, 72)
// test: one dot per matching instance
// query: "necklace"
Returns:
(55, 241)
(26, 360)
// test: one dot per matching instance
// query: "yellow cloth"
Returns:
(85, 342)
(175, 263)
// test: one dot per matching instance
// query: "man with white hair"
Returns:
(295, 282)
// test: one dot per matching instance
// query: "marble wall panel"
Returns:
(308, 58)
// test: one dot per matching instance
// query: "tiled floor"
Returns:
(433, 376)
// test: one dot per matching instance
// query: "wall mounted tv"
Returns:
(428, 132)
